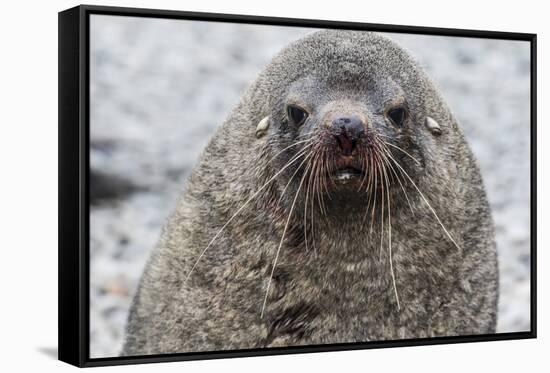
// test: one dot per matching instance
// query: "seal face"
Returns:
(344, 128)
(338, 203)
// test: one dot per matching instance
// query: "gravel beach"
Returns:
(160, 88)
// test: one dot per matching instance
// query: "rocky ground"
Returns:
(159, 88)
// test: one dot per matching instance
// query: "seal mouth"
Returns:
(347, 173)
(346, 169)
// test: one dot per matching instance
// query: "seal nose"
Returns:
(347, 130)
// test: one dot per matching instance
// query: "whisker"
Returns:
(392, 169)
(281, 244)
(305, 134)
(402, 150)
(324, 172)
(316, 184)
(292, 177)
(389, 241)
(322, 175)
(288, 147)
(305, 212)
(310, 185)
(363, 160)
(369, 167)
(426, 201)
(381, 210)
(290, 162)
(375, 187)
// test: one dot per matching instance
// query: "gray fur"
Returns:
(342, 291)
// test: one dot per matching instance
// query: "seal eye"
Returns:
(398, 115)
(297, 114)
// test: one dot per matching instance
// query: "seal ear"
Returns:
(433, 126)
(262, 127)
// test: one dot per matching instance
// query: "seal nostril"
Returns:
(347, 144)
(347, 130)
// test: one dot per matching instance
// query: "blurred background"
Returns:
(160, 88)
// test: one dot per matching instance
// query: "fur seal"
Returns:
(339, 202)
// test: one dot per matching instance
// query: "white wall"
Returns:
(28, 183)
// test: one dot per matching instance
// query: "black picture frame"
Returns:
(74, 172)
